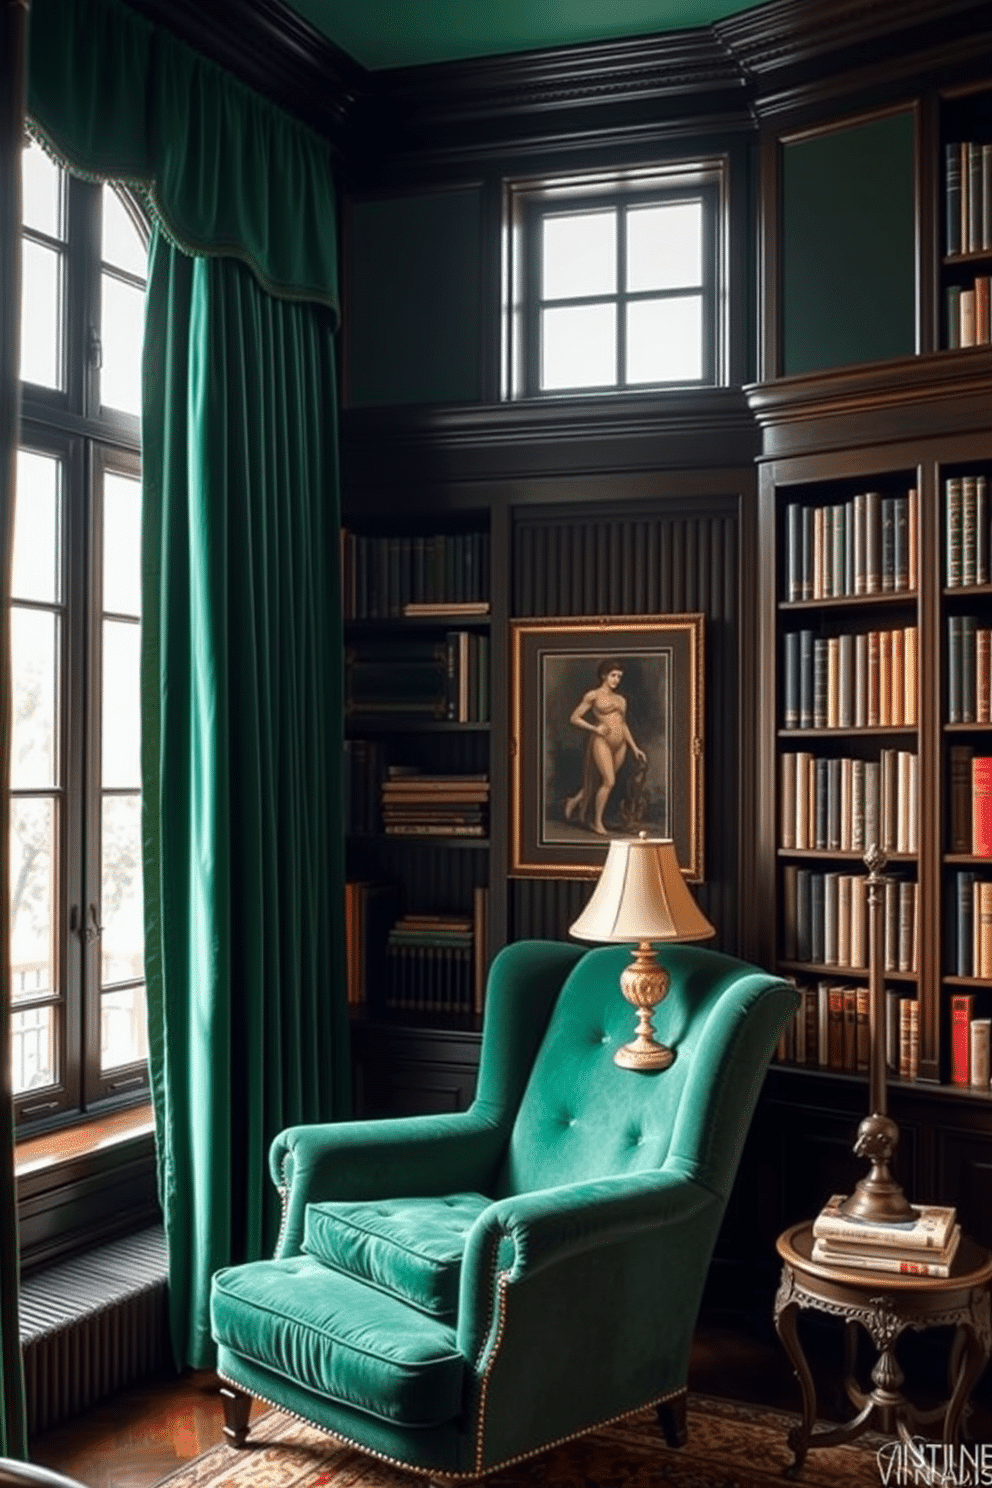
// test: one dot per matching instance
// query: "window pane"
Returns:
(579, 255)
(44, 192)
(665, 340)
(579, 346)
(121, 331)
(122, 944)
(123, 245)
(33, 1049)
(121, 544)
(41, 315)
(37, 523)
(32, 896)
(121, 719)
(123, 1028)
(665, 246)
(34, 641)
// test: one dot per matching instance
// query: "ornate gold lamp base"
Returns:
(644, 983)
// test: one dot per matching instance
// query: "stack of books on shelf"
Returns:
(420, 677)
(966, 515)
(845, 805)
(969, 670)
(968, 196)
(830, 1030)
(364, 767)
(369, 909)
(867, 545)
(970, 1040)
(415, 804)
(825, 920)
(971, 801)
(383, 576)
(923, 1246)
(868, 680)
(435, 963)
(973, 925)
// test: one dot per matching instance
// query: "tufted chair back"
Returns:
(581, 1117)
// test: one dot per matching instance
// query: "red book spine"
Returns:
(981, 806)
(961, 1007)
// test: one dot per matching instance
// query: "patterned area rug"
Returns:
(730, 1446)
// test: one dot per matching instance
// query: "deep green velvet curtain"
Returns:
(241, 665)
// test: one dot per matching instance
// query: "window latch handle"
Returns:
(96, 348)
(94, 929)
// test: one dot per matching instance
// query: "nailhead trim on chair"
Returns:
(454, 1477)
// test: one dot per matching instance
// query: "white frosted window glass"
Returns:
(122, 945)
(579, 346)
(665, 246)
(121, 331)
(34, 637)
(43, 188)
(121, 544)
(121, 713)
(32, 896)
(41, 315)
(665, 340)
(32, 1049)
(579, 255)
(36, 572)
(123, 1027)
(122, 243)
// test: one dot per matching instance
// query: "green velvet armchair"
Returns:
(452, 1293)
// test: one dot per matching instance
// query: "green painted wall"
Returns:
(412, 299)
(848, 267)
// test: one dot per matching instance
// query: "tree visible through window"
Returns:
(77, 938)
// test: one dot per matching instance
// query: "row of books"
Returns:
(972, 925)
(968, 196)
(924, 1245)
(420, 677)
(864, 680)
(428, 963)
(849, 805)
(415, 804)
(968, 531)
(383, 576)
(825, 920)
(971, 1043)
(969, 322)
(969, 670)
(866, 545)
(970, 801)
(831, 1030)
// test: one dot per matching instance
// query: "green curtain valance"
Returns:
(225, 171)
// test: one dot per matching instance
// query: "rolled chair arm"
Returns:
(354, 1160)
(28, 1475)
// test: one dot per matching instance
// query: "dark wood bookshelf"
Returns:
(886, 599)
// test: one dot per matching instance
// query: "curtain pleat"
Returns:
(242, 743)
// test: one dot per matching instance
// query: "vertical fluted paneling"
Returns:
(669, 561)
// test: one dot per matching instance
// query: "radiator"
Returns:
(93, 1325)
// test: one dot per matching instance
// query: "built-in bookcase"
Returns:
(966, 219)
(847, 757)
(417, 722)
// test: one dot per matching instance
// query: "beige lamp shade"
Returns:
(642, 896)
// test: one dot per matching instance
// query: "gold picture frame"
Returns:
(634, 682)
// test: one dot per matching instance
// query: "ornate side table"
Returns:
(885, 1304)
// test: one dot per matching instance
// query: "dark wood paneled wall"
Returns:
(651, 560)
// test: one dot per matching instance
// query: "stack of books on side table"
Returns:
(924, 1246)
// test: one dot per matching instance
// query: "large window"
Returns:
(77, 948)
(615, 283)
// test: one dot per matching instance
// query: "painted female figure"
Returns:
(602, 712)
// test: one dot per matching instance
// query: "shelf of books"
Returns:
(966, 718)
(416, 773)
(966, 228)
(847, 762)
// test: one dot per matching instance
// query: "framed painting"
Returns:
(606, 740)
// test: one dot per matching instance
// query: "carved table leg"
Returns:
(237, 1409)
(786, 1312)
(974, 1356)
(672, 1420)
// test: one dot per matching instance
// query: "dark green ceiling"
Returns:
(401, 33)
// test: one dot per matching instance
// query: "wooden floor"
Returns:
(138, 1438)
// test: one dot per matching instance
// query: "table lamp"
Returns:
(641, 896)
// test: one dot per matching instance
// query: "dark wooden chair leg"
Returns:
(237, 1408)
(672, 1420)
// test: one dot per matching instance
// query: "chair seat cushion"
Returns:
(410, 1249)
(339, 1338)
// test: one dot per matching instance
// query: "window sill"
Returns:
(35, 1154)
